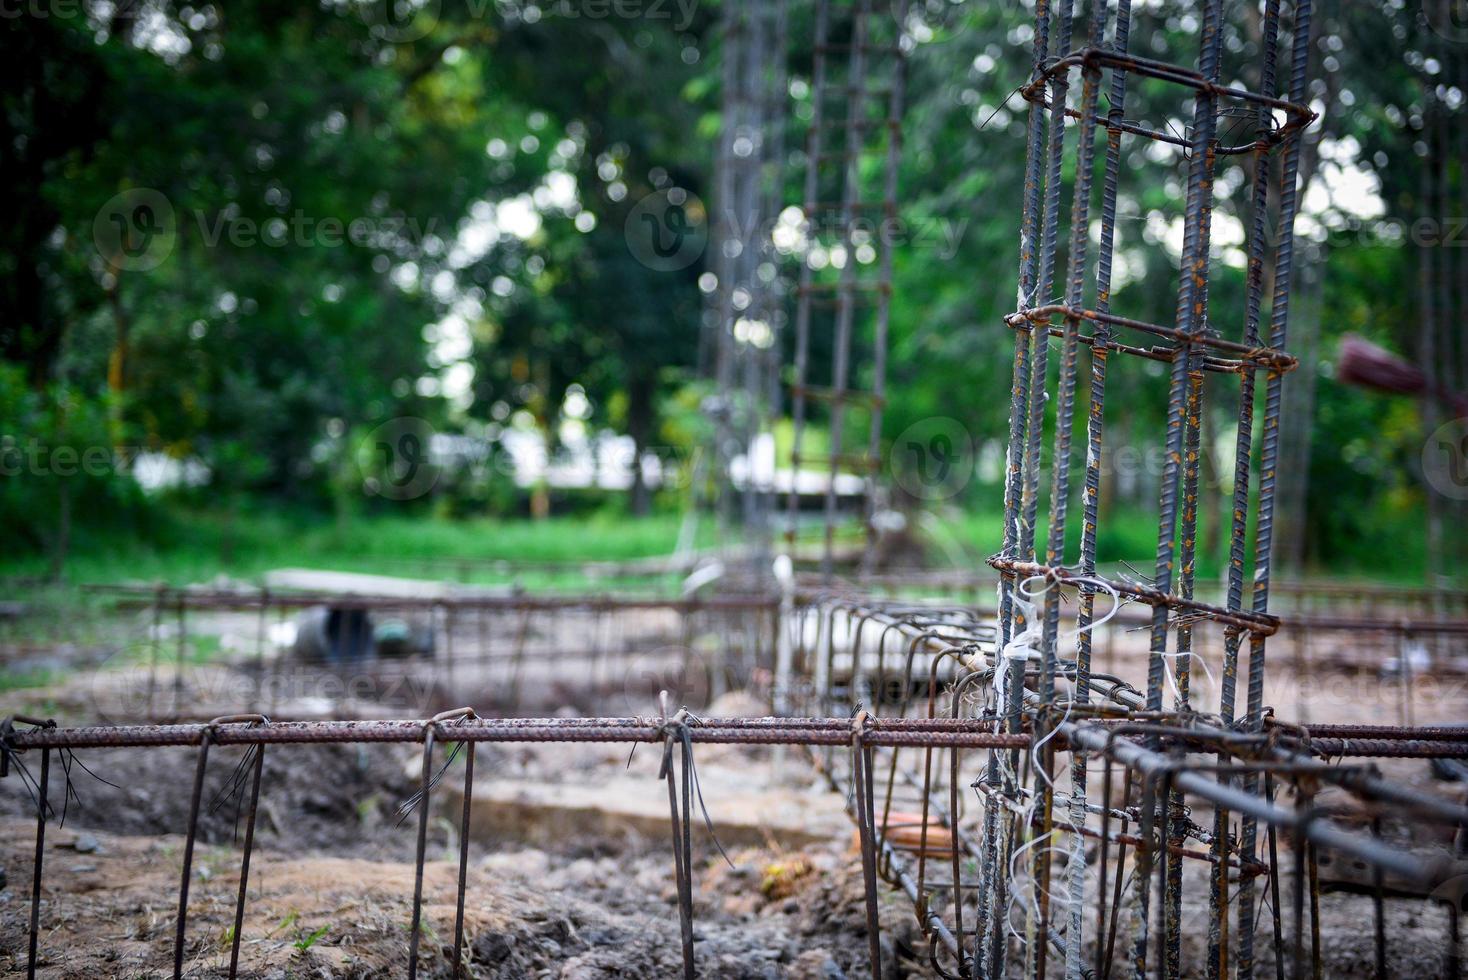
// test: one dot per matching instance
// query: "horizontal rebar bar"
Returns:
(762, 731)
(1310, 825)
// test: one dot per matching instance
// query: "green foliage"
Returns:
(307, 940)
(63, 465)
(344, 251)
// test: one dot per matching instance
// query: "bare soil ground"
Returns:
(332, 878)
(109, 911)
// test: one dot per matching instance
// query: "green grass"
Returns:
(1124, 536)
(192, 545)
(1393, 551)
(204, 545)
(16, 680)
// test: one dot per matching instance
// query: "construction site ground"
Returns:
(570, 871)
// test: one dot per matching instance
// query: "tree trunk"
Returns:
(639, 427)
(117, 370)
(540, 407)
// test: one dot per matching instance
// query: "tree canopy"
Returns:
(242, 235)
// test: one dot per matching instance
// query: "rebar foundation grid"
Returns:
(906, 762)
(678, 732)
(969, 745)
(519, 652)
(956, 826)
(523, 653)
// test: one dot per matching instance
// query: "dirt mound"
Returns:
(109, 906)
(334, 798)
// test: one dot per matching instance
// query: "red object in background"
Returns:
(1363, 363)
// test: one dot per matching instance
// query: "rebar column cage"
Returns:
(938, 839)
(747, 309)
(1095, 47)
(852, 154)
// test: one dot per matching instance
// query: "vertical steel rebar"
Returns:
(463, 858)
(239, 906)
(861, 780)
(186, 876)
(415, 929)
(804, 297)
(1269, 451)
(1017, 541)
(680, 819)
(35, 924)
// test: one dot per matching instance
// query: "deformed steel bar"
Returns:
(1401, 626)
(1322, 832)
(190, 599)
(1389, 748)
(1300, 115)
(1423, 733)
(42, 785)
(764, 731)
(962, 580)
(1258, 356)
(1326, 589)
(1258, 623)
(1269, 438)
(1161, 353)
